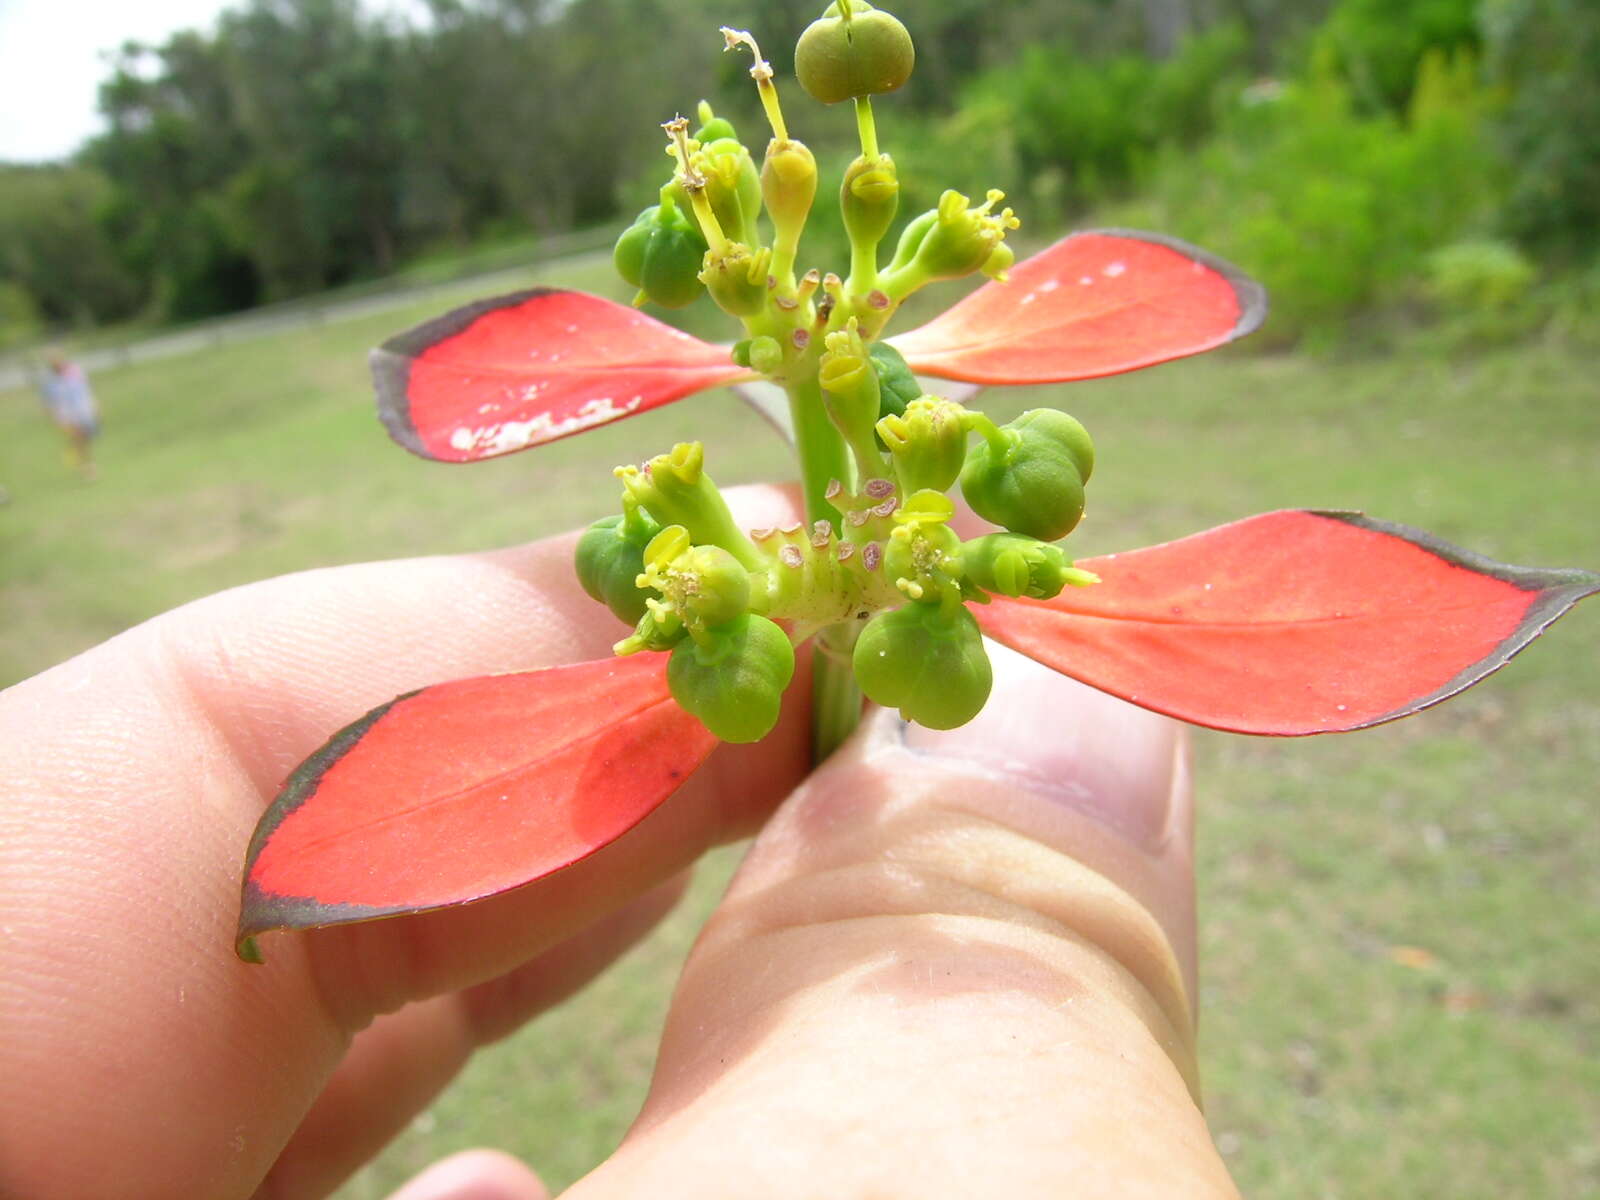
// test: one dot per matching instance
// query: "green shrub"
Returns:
(1332, 209)
(1095, 126)
(1377, 46)
(1479, 277)
(53, 245)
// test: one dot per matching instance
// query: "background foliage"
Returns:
(1334, 147)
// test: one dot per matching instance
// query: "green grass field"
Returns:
(1401, 989)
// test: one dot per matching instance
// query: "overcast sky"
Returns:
(53, 59)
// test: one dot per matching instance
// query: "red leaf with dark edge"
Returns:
(468, 789)
(1290, 623)
(516, 371)
(1094, 304)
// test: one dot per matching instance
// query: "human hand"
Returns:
(953, 964)
(931, 976)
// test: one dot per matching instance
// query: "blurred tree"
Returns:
(171, 148)
(317, 94)
(56, 262)
(1277, 28)
(1094, 124)
(1166, 24)
(1378, 45)
(20, 321)
(1546, 54)
(310, 142)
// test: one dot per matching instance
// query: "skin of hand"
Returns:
(952, 965)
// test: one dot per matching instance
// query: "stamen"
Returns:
(678, 131)
(761, 72)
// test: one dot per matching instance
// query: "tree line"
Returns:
(303, 144)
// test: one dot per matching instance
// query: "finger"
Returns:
(135, 774)
(398, 1064)
(952, 965)
(475, 1175)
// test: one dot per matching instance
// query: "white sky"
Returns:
(53, 58)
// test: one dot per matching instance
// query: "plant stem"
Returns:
(835, 698)
(867, 127)
(823, 457)
(836, 701)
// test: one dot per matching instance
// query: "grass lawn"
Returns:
(1401, 989)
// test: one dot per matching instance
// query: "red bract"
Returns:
(521, 370)
(467, 789)
(1288, 623)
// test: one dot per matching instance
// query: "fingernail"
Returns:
(1068, 743)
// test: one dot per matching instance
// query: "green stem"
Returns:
(823, 457)
(785, 249)
(836, 701)
(867, 126)
(863, 268)
(835, 698)
(869, 463)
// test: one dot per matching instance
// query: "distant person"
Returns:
(64, 387)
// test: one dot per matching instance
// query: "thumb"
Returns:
(954, 964)
(475, 1175)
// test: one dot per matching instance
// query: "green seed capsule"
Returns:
(766, 355)
(713, 130)
(733, 185)
(661, 254)
(733, 678)
(1028, 476)
(1012, 564)
(610, 556)
(928, 661)
(841, 58)
(712, 126)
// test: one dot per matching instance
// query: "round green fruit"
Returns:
(733, 679)
(927, 661)
(661, 254)
(1030, 480)
(610, 559)
(843, 59)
